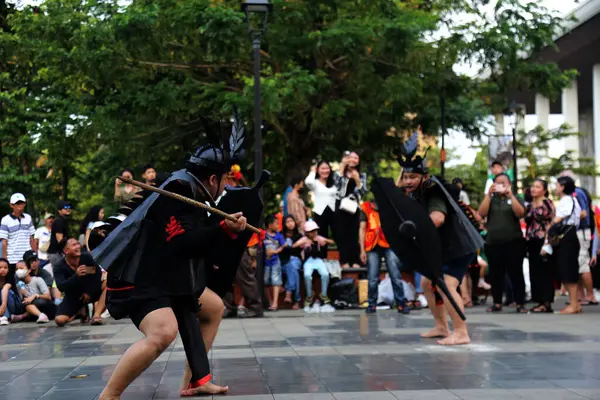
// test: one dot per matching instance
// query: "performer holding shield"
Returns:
(431, 235)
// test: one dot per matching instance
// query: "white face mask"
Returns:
(21, 273)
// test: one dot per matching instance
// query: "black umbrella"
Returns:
(411, 233)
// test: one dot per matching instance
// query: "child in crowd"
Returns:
(311, 245)
(291, 261)
(274, 245)
(11, 307)
(36, 294)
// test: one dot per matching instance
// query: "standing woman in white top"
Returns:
(567, 251)
(320, 182)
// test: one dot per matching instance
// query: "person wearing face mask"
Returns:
(351, 186)
(165, 289)
(36, 295)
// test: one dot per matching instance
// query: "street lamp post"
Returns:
(257, 14)
(515, 110)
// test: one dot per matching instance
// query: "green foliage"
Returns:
(90, 86)
(534, 145)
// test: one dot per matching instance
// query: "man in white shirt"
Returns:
(16, 231)
(41, 239)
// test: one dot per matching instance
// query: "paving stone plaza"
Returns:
(343, 355)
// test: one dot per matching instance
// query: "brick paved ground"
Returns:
(344, 355)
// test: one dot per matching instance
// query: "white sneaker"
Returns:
(308, 309)
(597, 294)
(4, 321)
(105, 315)
(316, 307)
(327, 308)
(423, 300)
(484, 285)
(43, 319)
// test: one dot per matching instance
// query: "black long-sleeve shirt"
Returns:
(184, 237)
(68, 282)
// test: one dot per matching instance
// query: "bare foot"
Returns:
(455, 339)
(570, 310)
(436, 332)
(208, 388)
(288, 297)
(187, 376)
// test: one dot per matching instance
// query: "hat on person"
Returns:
(29, 256)
(310, 226)
(62, 204)
(48, 215)
(17, 197)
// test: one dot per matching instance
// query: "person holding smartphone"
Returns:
(505, 245)
(80, 280)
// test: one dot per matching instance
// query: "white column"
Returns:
(596, 117)
(570, 110)
(499, 124)
(542, 110)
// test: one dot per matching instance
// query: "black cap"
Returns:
(29, 256)
(62, 204)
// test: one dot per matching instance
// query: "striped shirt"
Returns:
(17, 232)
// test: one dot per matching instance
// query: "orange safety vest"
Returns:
(374, 234)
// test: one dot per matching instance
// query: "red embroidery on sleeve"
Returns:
(232, 235)
(173, 229)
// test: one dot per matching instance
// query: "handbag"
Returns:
(349, 204)
(560, 230)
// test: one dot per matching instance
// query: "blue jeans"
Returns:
(14, 306)
(292, 282)
(311, 265)
(393, 265)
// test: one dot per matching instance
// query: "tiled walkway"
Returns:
(344, 355)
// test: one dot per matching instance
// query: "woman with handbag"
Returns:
(320, 182)
(351, 185)
(539, 216)
(562, 236)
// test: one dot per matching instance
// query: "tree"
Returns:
(142, 82)
(533, 146)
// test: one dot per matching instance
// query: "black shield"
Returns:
(419, 245)
(226, 256)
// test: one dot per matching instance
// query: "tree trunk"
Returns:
(65, 183)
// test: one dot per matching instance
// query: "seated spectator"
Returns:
(291, 259)
(274, 244)
(10, 301)
(33, 263)
(80, 280)
(311, 245)
(374, 246)
(36, 295)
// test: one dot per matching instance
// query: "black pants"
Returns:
(541, 273)
(346, 227)
(45, 306)
(325, 222)
(474, 273)
(507, 258)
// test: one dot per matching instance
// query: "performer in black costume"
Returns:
(156, 260)
(460, 242)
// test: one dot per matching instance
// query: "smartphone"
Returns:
(500, 189)
(91, 270)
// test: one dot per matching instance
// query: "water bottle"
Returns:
(20, 285)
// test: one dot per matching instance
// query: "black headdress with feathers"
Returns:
(218, 159)
(408, 159)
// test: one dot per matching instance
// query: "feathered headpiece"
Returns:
(408, 159)
(219, 158)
